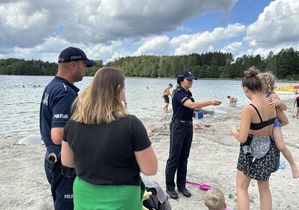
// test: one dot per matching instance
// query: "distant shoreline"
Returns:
(174, 78)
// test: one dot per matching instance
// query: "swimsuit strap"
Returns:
(257, 112)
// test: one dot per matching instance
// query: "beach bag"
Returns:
(158, 199)
(257, 147)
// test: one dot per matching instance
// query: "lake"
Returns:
(20, 97)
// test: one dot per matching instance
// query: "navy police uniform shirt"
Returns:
(55, 107)
(180, 96)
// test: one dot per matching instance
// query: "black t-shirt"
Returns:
(104, 154)
(180, 96)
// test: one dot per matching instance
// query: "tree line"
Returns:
(14, 66)
(285, 65)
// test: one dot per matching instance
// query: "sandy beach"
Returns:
(212, 160)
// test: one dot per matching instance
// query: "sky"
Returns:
(110, 29)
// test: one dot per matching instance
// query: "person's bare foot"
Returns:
(295, 173)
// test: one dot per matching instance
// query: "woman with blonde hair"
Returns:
(107, 147)
(258, 156)
(268, 83)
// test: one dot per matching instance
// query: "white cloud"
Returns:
(114, 19)
(108, 29)
(50, 49)
(20, 25)
(194, 43)
(206, 41)
(34, 29)
(264, 51)
(46, 51)
(25, 23)
(154, 45)
(108, 52)
(14, 16)
(277, 25)
(158, 45)
(233, 48)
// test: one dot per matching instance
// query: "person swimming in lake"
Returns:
(232, 100)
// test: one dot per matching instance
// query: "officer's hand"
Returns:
(216, 102)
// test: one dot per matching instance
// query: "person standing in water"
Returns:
(166, 94)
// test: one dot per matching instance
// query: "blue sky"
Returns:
(247, 11)
(244, 11)
(109, 29)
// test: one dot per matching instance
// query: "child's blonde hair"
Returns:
(215, 200)
(268, 81)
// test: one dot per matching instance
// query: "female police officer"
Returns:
(181, 133)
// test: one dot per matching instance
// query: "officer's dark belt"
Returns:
(184, 122)
(54, 161)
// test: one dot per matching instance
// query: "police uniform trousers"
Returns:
(61, 187)
(181, 133)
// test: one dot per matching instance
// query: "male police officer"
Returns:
(181, 134)
(55, 110)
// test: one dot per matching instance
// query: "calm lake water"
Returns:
(20, 97)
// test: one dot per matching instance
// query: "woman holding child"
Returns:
(258, 156)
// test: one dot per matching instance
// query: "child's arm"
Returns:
(281, 116)
(276, 102)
